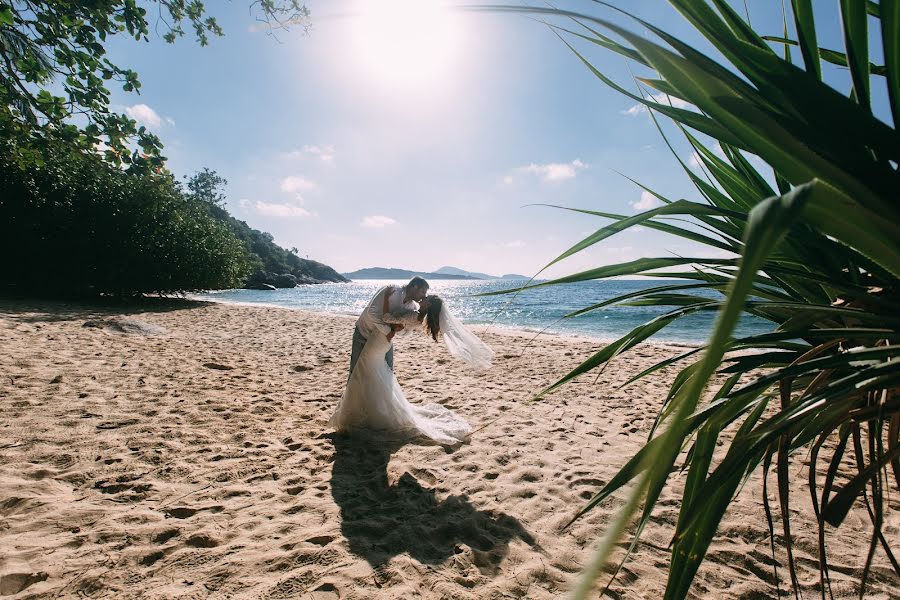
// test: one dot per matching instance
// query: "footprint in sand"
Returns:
(217, 366)
(202, 540)
(117, 424)
(152, 558)
(292, 445)
(326, 591)
(184, 512)
(13, 583)
(108, 487)
(164, 536)
(321, 540)
(425, 475)
(181, 513)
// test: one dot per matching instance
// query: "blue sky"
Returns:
(414, 137)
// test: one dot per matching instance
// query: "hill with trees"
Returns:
(270, 264)
(392, 273)
(442, 273)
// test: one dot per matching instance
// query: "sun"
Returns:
(405, 44)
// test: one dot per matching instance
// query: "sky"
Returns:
(411, 134)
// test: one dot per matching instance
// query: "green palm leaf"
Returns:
(819, 258)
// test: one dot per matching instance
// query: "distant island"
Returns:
(439, 274)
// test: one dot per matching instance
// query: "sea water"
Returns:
(540, 309)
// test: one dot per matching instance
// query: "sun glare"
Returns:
(405, 45)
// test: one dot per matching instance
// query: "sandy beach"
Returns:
(180, 450)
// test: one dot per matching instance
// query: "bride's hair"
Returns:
(433, 316)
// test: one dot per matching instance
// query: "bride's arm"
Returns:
(404, 317)
(401, 316)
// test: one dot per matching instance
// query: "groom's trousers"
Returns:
(358, 342)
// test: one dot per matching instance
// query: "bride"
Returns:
(373, 398)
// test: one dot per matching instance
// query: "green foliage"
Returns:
(51, 45)
(76, 225)
(206, 186)
(819, 258)
(266, 257)
(269, 257)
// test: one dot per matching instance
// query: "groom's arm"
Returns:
(381, 300)
(394, 320)
(385, 301)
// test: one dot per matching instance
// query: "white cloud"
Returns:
(694, 160)
(639, 109)
(549, 172)
(377, 221)
(672, 100)
(515, 244)
(144, 115)
(324, 153)
(294, 184)
(646, 202)
(275, 210)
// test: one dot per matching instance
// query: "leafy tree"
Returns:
(73, 224)
(206, 186)
(54, 71)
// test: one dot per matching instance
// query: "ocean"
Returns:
(533, 310)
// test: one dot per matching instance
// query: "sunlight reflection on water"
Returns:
(531, 310)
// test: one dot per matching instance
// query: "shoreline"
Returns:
(521, 331)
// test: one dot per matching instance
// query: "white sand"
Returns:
(187, 457)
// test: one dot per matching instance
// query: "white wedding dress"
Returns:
(373, 399)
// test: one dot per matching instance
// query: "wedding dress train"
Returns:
(373, 400)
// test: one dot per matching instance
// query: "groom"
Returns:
(377, 317)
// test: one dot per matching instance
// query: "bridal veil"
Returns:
(462, 343)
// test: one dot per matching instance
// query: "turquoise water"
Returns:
(531, 310)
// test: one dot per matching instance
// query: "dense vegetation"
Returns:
(814, 247)
(73, 224)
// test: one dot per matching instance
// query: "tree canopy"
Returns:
(75, 225)
(55, 74)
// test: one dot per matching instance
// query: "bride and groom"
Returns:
(373, 399)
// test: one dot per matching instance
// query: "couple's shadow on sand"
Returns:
(380, 520)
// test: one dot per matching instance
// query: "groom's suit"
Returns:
(374, 320)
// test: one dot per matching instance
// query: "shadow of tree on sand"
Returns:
(380, 520)
(42, 310)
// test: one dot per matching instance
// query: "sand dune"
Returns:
(180, 450)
